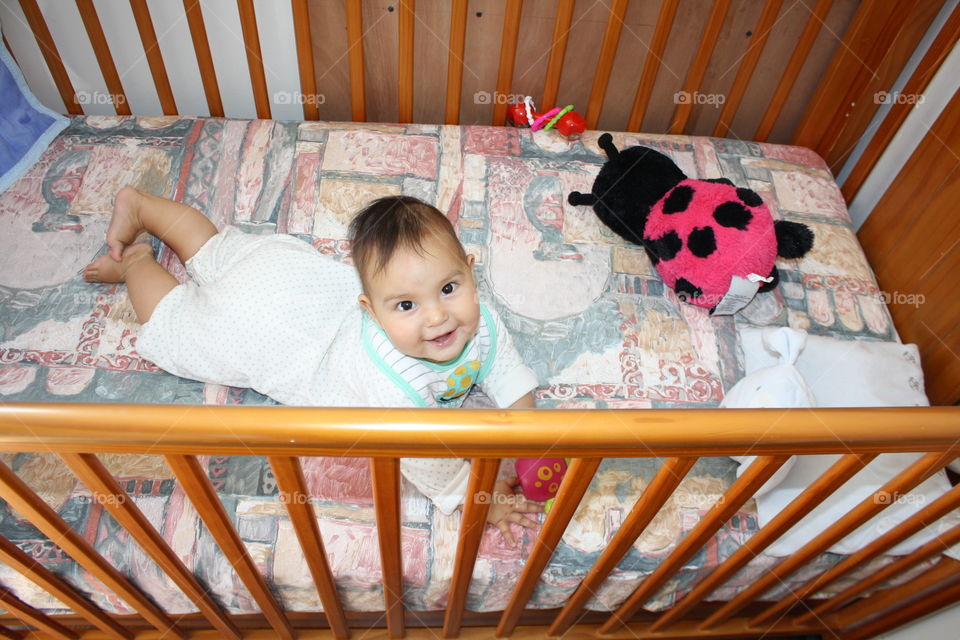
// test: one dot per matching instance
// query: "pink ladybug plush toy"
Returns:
(713, 243)
(540, 477)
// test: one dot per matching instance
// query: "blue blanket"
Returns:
(26, 126)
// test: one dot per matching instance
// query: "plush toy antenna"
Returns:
(606, 143)
(576, 199)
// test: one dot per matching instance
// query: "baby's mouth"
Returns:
(444, 340)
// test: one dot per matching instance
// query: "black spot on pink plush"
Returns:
(732, 214)
(749, 197)
(678, 200)
(686, 290)
(666, 246)
(702, 242)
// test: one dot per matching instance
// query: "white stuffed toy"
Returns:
(776, 386)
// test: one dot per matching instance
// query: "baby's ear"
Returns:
(470, 260)
(365, 303)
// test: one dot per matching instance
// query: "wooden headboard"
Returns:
(777, 71)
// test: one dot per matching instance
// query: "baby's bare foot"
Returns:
(125, 224)
(106, 269)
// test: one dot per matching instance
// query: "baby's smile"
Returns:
(444, 340)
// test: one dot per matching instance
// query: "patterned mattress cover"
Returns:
(611, 336)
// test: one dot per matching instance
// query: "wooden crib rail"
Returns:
(389, 433)
(181, 433)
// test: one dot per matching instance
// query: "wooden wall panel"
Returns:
(688, 25)
(583, 49)
(912, 240)
(863, 30)
(783, 38)
(636, 38)
(330, 57)
(430, 55)
(484, 32)
(482, 57)
(886, 74)
(727, 56)
(381, 42)
(533, 49)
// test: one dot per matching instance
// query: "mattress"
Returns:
(611, 337)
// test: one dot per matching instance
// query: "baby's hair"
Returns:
(392, 223)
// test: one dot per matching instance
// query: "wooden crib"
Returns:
(830, 114)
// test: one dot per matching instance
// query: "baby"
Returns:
(271, 313)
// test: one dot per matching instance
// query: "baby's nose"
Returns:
(437, 315)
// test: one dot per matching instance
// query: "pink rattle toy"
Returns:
(540, 478)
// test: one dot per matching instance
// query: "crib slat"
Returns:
(10, 633)
(508, 55)
(647, 506)
(405, 18)
(936, 601)
(52, 56)
(92, 473)
(201, 47)
(857, 85)
(12, 556)
(457, 45)
(358, 99)
(308, 78)
(917, 84)
(931, 590)
(251, 43)
(19, 496)
(681, 115)
(608, 52)
(747, 65)
(574, 485)
(386, 500)
(88, 13)
(920, 520)
(738, 493)
(558, 48)
(151, 50)
(483, 474)
(668, 11)
(939, 544)
(944, 572)
(195, 484)
(905, 481)
(32, 616)
(844, 469)
(792, 70)
(290, 480)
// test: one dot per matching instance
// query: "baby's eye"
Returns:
(404, 305)
(448, 288)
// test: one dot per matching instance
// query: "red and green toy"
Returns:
(567, 121)
(540, 478)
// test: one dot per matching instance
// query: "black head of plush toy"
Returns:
(713, 243)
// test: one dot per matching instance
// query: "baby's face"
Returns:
(426, 304)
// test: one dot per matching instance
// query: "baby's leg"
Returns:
(147, 282)
(183, 228)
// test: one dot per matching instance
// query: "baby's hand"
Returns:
(506, 506)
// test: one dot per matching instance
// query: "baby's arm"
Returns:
(445, 482)
(510, 382)
(524, 402)
(507, 506)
